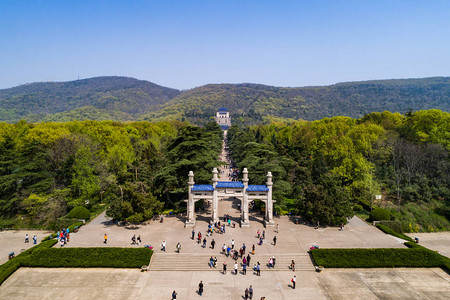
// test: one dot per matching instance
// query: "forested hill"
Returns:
(98, 98)
(122, 98)
(251, 102)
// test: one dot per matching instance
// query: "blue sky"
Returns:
(184, 44)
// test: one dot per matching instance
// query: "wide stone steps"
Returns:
(200, 262)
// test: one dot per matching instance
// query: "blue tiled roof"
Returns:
(202, 188)
(224, 127)
(257, 188)
(223, 109)
(230, 184)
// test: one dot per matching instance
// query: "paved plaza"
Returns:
(14, 240)
(437, 241)
(182, 272)
(132, 284)
(293, 239)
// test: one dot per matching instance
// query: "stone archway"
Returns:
(239, 189)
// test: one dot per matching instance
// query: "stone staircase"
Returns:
(200, 262)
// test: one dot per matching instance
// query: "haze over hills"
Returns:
(123, 98)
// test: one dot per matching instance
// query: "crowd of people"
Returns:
(240, 255)
(63, 237)
(234, 174)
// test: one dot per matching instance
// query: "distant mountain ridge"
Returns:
(108, 95)
(124, 98)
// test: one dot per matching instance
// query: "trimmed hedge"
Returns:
(12, 265)
(89, 258)
(43, 255)
(379, 214)
(388, 230)
(415, 257)
(8, 268)
(76, 224)
(79, 212)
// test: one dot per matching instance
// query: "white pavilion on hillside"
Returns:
(223, 118)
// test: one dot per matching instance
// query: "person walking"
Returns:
(250, 292)
(193, 234)
(163, 246)
(278, 228)
(273, 261)
(235, 268)
(232, 244)
(293, 281)
(275, 240)
(200, 288)
(224, 267)
(138, 240)
(174, 295)
(27, 238)
(213, 242)
(224, 249)
(105, 239)
(246, 294)
(292, 265)
(178, 247)
(248, 259)
(35, 239)
(204, 243)
(264, 234)
(244, 269)
(258, 270)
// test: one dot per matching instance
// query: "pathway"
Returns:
(224, 170)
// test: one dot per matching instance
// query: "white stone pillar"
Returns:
(190, 222)
(215, 204)
(245, 222)
(269, 203)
